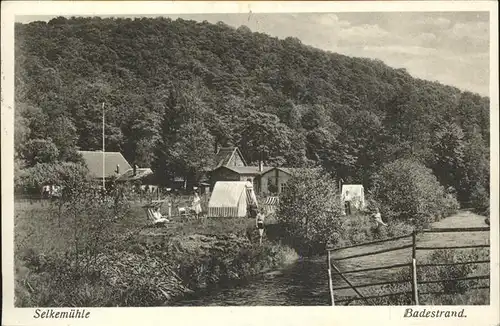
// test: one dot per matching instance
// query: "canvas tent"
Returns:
(355, 194)
(231, 199)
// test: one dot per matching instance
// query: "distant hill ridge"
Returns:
(171, 86)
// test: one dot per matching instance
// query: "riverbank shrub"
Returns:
(153, 271)
(203, 260)
(309, 210)
(407, 190)
(115, 278)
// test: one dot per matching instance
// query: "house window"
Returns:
(283, 187)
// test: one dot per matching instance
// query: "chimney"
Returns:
(118, 169)
(135, 169)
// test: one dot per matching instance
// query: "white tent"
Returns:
(231, 199)
(355, 194)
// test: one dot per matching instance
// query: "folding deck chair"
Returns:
(153, 214)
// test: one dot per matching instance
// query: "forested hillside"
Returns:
(173, 88)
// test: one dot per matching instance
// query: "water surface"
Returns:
(304, 283)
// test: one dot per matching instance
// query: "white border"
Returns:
(477, 315)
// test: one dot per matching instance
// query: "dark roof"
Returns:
(253, 170)
(140, 173)
(290, 171)
(225, 154)
(111, 160)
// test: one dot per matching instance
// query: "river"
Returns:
(304, 283)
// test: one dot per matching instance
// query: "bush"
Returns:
(408, 191)
(310, 210)
(67, 175)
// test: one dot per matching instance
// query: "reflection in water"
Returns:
(304, 283)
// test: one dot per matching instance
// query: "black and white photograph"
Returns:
(252, 159)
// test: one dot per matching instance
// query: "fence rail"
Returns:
(454, 247)
(385, 295)
(376, 252)
(457, 263)
(414, 266)
(369, 243)
(447, 230)
(373, 284)
(376, 268)
(479, 277)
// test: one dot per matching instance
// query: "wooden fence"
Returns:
(412, 265)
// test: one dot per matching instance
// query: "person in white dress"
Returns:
(196, 206)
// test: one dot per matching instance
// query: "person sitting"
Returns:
(156, 217)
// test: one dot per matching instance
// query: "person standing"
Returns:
(347, 203)
(253, 211)
(260, 224)
(196, 204)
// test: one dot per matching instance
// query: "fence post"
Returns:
(347, 281)
(330, 282)
(414, 284)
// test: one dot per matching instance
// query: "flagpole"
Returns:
(103, 151)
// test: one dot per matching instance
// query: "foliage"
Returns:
(290, 102)
(40, 151)
(192, 153)
(116, 279)
(409, 191)
(452, 272)
(67, 175)
(357, 229)
(310, 209)
(137, 270)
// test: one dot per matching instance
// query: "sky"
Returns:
(449, 47)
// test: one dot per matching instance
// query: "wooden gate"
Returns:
(411, 264)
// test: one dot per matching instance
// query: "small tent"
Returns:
(355, 194)
(231, 199)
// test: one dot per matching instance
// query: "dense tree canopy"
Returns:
(160, 79)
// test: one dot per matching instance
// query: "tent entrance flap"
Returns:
(355, 194)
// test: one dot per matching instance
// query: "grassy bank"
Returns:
(138, 266)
